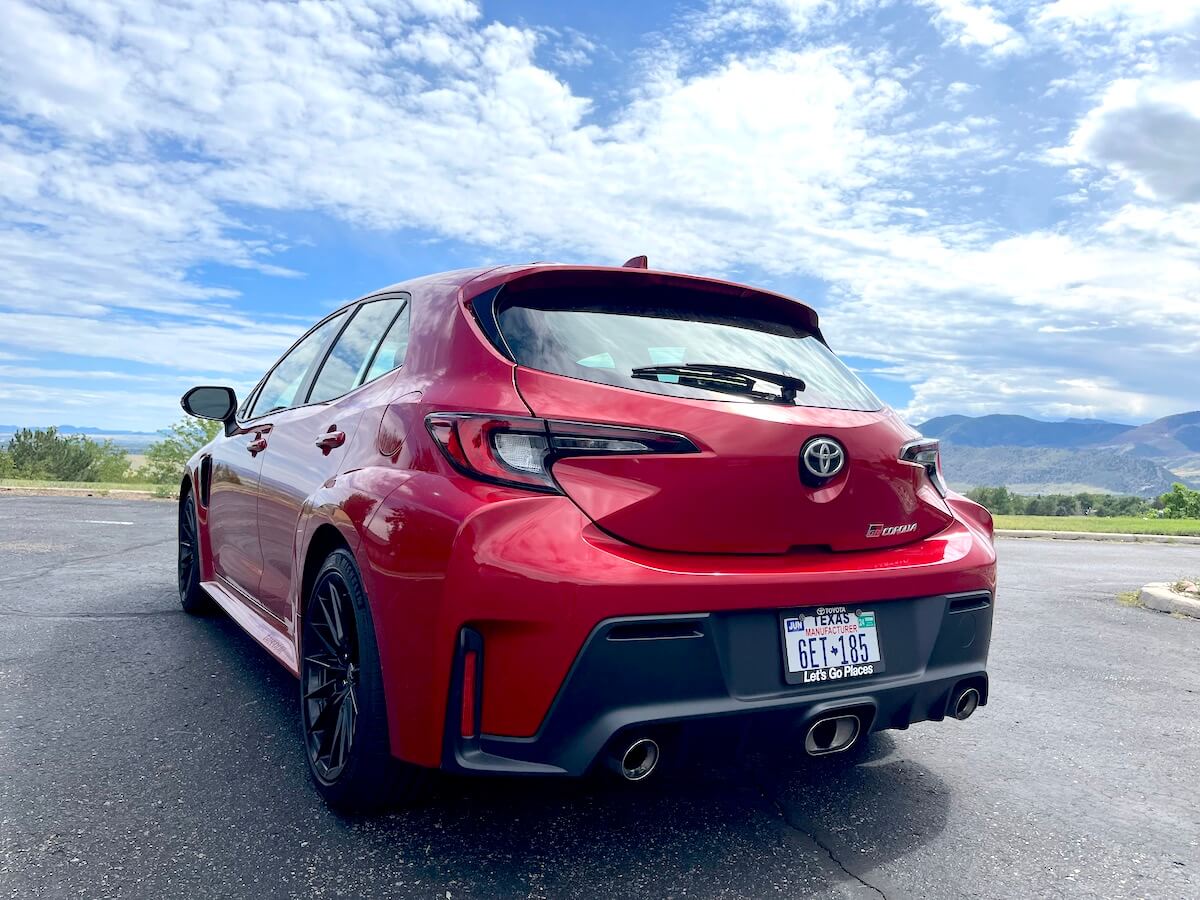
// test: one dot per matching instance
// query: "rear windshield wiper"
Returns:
(726, 379)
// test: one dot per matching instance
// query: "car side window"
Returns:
(392, 349)
(347, 361)
(280, 389)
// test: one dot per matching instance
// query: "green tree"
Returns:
(6, 466)
(997, 500)
(165, 459)
(45, 454)
(1181, 502)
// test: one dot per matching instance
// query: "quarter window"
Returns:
(392, 349)
(280, 389)
(346, 365)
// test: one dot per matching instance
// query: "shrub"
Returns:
(46, 454)
(1001, 502)
(1181, 502)
(165, 459)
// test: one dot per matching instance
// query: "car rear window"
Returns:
(605, 335)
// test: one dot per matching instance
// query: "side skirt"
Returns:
(275, 643)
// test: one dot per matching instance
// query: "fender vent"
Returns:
(205, 480)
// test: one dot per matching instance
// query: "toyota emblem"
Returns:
(823, 457)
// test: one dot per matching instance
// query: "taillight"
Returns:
(926, 453)
(518, 451)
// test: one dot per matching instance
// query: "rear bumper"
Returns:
(541, 586)
(717, 678)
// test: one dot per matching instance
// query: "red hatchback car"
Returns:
(531, 519)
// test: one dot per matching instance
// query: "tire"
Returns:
(342, 709)
(191, 596)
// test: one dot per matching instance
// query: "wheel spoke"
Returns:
(334, 602)
(337, 652)
(323, 690)
(333, 665)
(326, 717)
(345, 733)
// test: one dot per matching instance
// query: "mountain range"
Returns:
(1035, 457)
(130, 441)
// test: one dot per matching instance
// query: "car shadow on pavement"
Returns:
(743, 828)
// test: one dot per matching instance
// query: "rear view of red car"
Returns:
(539, 519)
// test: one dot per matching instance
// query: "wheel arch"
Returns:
(325, 539)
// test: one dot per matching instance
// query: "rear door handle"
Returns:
(256, 446)
(333, 439)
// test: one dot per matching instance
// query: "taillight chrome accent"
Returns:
(926, 453)
(519, 451)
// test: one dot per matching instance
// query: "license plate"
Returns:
(830, 643)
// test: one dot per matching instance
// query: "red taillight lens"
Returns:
(519, 451)
(470, 679)
(926, 453)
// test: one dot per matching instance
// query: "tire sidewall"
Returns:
(370, 759)
(191, 596)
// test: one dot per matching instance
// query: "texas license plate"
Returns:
(830, 643)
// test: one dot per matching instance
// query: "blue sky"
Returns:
(994, 207)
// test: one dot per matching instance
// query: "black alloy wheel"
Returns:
(191, 595)
(342, 706)
(330, 675)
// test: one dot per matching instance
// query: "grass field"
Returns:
(1114, 525)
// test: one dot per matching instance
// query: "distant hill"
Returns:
(1055, 470)
(1034, 457)
(86, 429)
(1168, 436)
(130, 441)
(1021, 431)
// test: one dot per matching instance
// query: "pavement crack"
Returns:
(26, 614)
(66, 564)
(781, 811)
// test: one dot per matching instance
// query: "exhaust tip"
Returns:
(639, 760)
(831, 735)
(966, 703)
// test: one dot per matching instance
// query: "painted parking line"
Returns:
(104, 522)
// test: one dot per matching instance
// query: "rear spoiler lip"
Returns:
(481, 295)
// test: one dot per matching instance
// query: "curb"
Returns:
(1099, 536)
(111, 494)
(1160, 596)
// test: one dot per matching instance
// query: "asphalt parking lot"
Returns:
(144, 753)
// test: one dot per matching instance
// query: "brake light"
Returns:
(520, 452)
(926, 453)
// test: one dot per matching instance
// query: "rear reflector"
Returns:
(469, 692)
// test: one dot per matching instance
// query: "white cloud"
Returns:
(1148, 131)
(143, 129)
(1139, 17)
(976, 24)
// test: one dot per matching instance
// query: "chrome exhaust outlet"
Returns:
(638, 761)
(965, 704)
(831, 735)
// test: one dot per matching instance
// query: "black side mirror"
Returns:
(207, 402)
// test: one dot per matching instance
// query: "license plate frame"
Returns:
(865, 622)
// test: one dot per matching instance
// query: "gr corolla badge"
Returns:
(538, 519)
